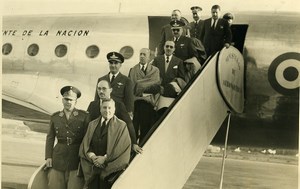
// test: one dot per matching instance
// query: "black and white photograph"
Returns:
(153, 94)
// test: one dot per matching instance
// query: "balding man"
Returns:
(146, 81)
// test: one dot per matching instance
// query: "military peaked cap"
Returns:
(70, 92)
(176, 24)
(115, 57)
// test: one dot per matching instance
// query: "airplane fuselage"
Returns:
(40, 54)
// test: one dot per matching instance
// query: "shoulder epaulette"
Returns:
(55, 113)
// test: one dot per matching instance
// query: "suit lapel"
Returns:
(171, 64)
(117, 79)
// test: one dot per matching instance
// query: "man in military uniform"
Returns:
(68, 127)
(184, 48)
(166, 32)
(197, 24)
(121, 85)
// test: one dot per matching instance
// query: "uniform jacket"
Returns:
(196, 29)
(121, 113)
(122, 90)
(166, 34)
(214, 39)
(64, 156)
(175, 68)
(118, 148)
(184, 48)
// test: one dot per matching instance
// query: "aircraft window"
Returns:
(6, 48)
(61, 50)
(92, 51)
(127, 52)
(33, 49)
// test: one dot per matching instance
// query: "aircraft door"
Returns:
(238, 36)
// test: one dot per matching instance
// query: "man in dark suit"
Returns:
(121, 85)
(166, 32)
(104, 91)
(68, 127)
(170, 67)
(197, 25)
(216, 32)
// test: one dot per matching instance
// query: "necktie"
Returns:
(167, 63)
(103, 126)
(112, 78)
(176, 39)
(213, 26)
(143, 69)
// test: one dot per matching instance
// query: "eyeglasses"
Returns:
(169, 46)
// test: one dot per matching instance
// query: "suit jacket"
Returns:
(64, 156)
(184, 48)
(122, 90)
(196, 29)
(121, 113)
(175, 68)
(214, 39)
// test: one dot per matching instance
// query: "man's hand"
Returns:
(137, 149)
(99, 161)
(48, 163)
(227, 45)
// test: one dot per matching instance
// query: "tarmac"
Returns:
(245, 167)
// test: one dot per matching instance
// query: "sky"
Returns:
(148, 7)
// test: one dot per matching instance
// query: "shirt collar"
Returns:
(145, 65)
(169, 57)
(110, 75)
(102, 120)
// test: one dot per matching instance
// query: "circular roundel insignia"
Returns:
(284, 73)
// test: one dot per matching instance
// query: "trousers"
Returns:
(64, 180)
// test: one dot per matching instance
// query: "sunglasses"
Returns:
(169, 46)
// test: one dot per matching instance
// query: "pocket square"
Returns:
(175, 67)
(120, 83)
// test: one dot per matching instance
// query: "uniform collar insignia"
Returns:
(75, 113)
(61, 114)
